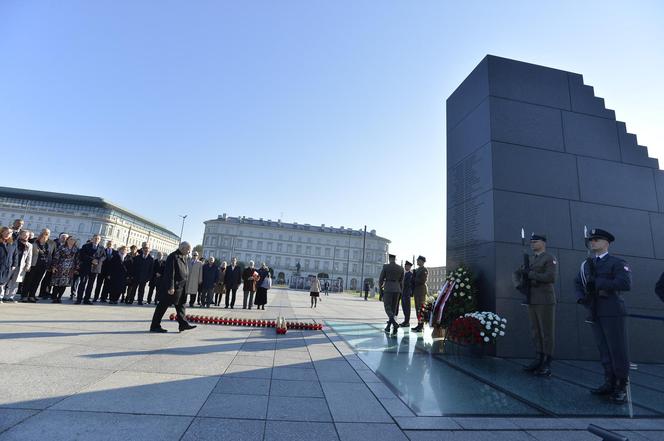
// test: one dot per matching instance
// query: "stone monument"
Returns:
(532, 146)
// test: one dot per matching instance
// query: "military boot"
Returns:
(606, 388)
(619, 395)
(387, 328)
(418, 328)
(544, 370)
(395, 327)
(536, 363)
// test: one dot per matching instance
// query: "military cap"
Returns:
(392, 256)
(408, 263)
(597, 233)
(422, 258)
(535, 236)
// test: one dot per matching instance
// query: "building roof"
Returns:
(293, 226)
(89, 201)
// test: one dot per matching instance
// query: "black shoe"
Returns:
(395, 328)
(387, 328)
(536, 363)
(606, 388)
(159, 330)
(78, 302)
(103, 301)
(619, 395)
(544, 370)
(404, 324)
(187, 327)
(226, 307)
(87, 302)
(140, 303)
(418, 328)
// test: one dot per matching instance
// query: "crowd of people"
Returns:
(39, 268)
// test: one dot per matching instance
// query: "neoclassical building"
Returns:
(82, 216)
(336, 252)
(436, 279)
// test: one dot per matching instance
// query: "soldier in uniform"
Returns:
(391, 284)
(599, 284)
(541, 276)
(406, 294)
(420, 291)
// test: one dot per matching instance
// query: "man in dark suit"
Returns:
(599, 286)
(117, 274)
(131, 277)
(232, 281)
(157, 271)
(407, 294)
(142, 270)
(172, 289)
(103, 284)
(89, 257)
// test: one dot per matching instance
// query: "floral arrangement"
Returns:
(494, 325)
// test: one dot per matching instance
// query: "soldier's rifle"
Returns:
(524, 286)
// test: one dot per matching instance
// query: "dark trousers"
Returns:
(35, 277)
(131, 292)
(74, 284)
(161, 309)
(45, 290)
(153, 286)
(85, 284)
(366, 294)
(103, 284)
(230, 291)
(611, 339)
(141, 291)
(57, 292)
(405, 306)
(390, 301)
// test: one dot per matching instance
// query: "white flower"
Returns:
(482, 334)
(467, 280)
(486, 339)
(463, 285)
(504, 320)
(493, 334)
(488, 326)
(503, 326)
(502, 333)
(462, 293)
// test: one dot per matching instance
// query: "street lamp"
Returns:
(182, 229)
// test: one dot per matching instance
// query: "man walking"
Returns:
(541, 276)
(391, 284)
(420, 291)
(601, 280)
(172, 289)
(407, 294)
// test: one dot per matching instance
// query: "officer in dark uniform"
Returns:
(390, 283)
(602, 278)
(541, 276)
(406, 294)
(420, 291)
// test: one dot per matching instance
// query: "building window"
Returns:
(250, 244)
(317, 251)
(355, 267)
(239, 243)
(308, 251)
(259, 245)
(327, 252)
(269, 246)
(306, 264)
(298, 249)
(289, 248)
(279, 246)
(316, 264)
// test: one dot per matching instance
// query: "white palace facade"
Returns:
(336, 252)
(82, 217)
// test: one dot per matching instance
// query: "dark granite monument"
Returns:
(532, 146)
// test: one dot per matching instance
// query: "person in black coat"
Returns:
(117, 274)
(232, 280)
(143, 265)
(406, 294)
(88, 257)
(172, 289)
(157, 271)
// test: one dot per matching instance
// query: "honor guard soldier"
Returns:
(599, 284)
(407, 294)
(390, 283)
(541, 276)
(420, 291)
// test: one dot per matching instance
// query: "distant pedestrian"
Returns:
(326, 288)
(315, 291)
(263, 285)
(232, 280)
(366, 290)
(194, 279)
(210, 278)
(249, 277)
(220, 286)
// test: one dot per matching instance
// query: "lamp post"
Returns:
(183, 216)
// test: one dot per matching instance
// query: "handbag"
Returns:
(267, 283)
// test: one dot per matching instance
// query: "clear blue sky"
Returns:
(326, 111)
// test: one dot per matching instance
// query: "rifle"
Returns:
(589, 282)
(524, 286)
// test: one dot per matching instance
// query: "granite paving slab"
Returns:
(300, 431)
(298, 409)
(235, 406)
(215, 429)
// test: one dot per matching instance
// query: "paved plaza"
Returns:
(94, 373)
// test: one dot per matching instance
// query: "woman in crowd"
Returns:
(8, 258)
(264, 283)
(118, 274)
(42, 253)
(315, 291)
(64, 268)
(219, 287)
(23, 265)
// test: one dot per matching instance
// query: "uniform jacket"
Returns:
(420, 277)
(195, 276)
(613, 276)
(8, 260)
(86, 255)
(142, 268)
(233, 277)
(542, 277)
(391, 278)
(24, 262)
(407, 284)
(176, 274)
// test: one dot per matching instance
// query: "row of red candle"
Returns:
(249, 322)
